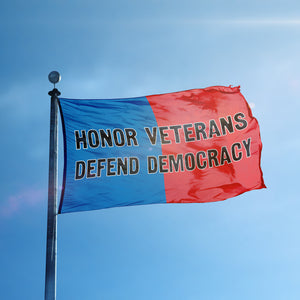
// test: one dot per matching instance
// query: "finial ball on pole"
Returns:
(54, 77)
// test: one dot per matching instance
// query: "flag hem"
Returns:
(65, 159)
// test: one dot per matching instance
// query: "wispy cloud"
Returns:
(246, 21)
(257, 22)
(29, 197)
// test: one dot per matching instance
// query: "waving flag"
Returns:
(200, 145)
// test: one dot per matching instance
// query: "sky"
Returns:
(247, 247)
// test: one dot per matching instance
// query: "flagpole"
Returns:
(50, 279)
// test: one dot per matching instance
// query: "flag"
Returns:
(199, 145)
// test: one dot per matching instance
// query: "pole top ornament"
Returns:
(54, 77)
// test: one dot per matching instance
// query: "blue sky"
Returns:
(243, 248)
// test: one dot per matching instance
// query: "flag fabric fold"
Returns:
(199, 145)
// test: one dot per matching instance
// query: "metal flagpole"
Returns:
(50, 280)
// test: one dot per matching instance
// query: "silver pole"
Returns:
(50, 280)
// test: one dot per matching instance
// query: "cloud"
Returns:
(258, 22)
(29, 197)
(242, 21)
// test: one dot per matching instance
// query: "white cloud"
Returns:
(252, 104)
(22, 199)
(267, 22)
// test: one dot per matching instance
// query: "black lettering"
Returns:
(152, 136)
(110, 166)
(188, 132)
(162, 163)
(134, 166)
(100, 166)
(79, 169)
(122, 166)
(247, 147)
(233, 151)
(105, 138)
(119, 137)
(80, 139)
(164, 135)
(190, 161)
(212, 157)
(200, 129)
(176, 163)
(152, 164)
(213, 129)
(90, 168)
(226, 124)
(198, 160)
(239, 117)
(176, 132)
(131, 136)
(224, 156)
(93, 138)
